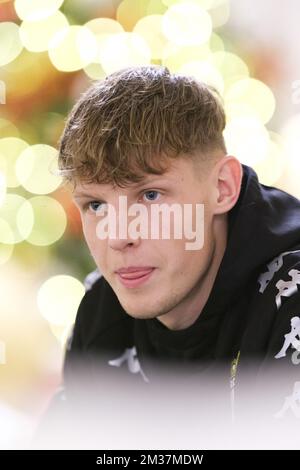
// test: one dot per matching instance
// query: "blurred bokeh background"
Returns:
(50, 52)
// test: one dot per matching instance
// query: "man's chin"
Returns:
(139, 314)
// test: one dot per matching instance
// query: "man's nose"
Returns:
(121, 237)
(121, 243)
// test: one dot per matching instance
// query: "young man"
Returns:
(156, 138)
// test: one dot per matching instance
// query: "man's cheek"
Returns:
(95, 246)
(90, 236)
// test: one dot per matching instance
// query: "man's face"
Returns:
(178, 273)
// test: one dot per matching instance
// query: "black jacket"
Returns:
(240, 330)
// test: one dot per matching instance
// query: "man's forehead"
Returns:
(87, 188)
(173, 174)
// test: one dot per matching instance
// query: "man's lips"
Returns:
(130, 273)
(135, 279)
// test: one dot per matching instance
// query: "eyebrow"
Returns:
(133, 186)
(84, 194)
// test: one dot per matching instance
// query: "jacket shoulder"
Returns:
(91, 279)
(280, 288)
(101, 322)
(87, 305)
(285, 265)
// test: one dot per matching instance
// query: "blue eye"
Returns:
(92, 204)
(151, 192)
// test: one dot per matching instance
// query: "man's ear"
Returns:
(228, 174)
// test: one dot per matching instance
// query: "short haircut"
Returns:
(133, 121)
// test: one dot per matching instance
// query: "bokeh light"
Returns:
(94, 71)
(10, 150)
(205, 72)
(174, 57)
(130, 11)
(231, 67)
(2, 187)
(155, 7)
(187, 23)
(35, 10)
(50, 220)
(16, 219)
(219, 12)
(122, 50)
(150, 28)
(36, 35)
(271, 168)
(249, 96)
(35, 169)
(247, 139)
(58, 299)
(216, 43)
(101, 28)
(10, 43)
(72, 48)
(6, 249)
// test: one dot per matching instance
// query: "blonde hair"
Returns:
(135, 120)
